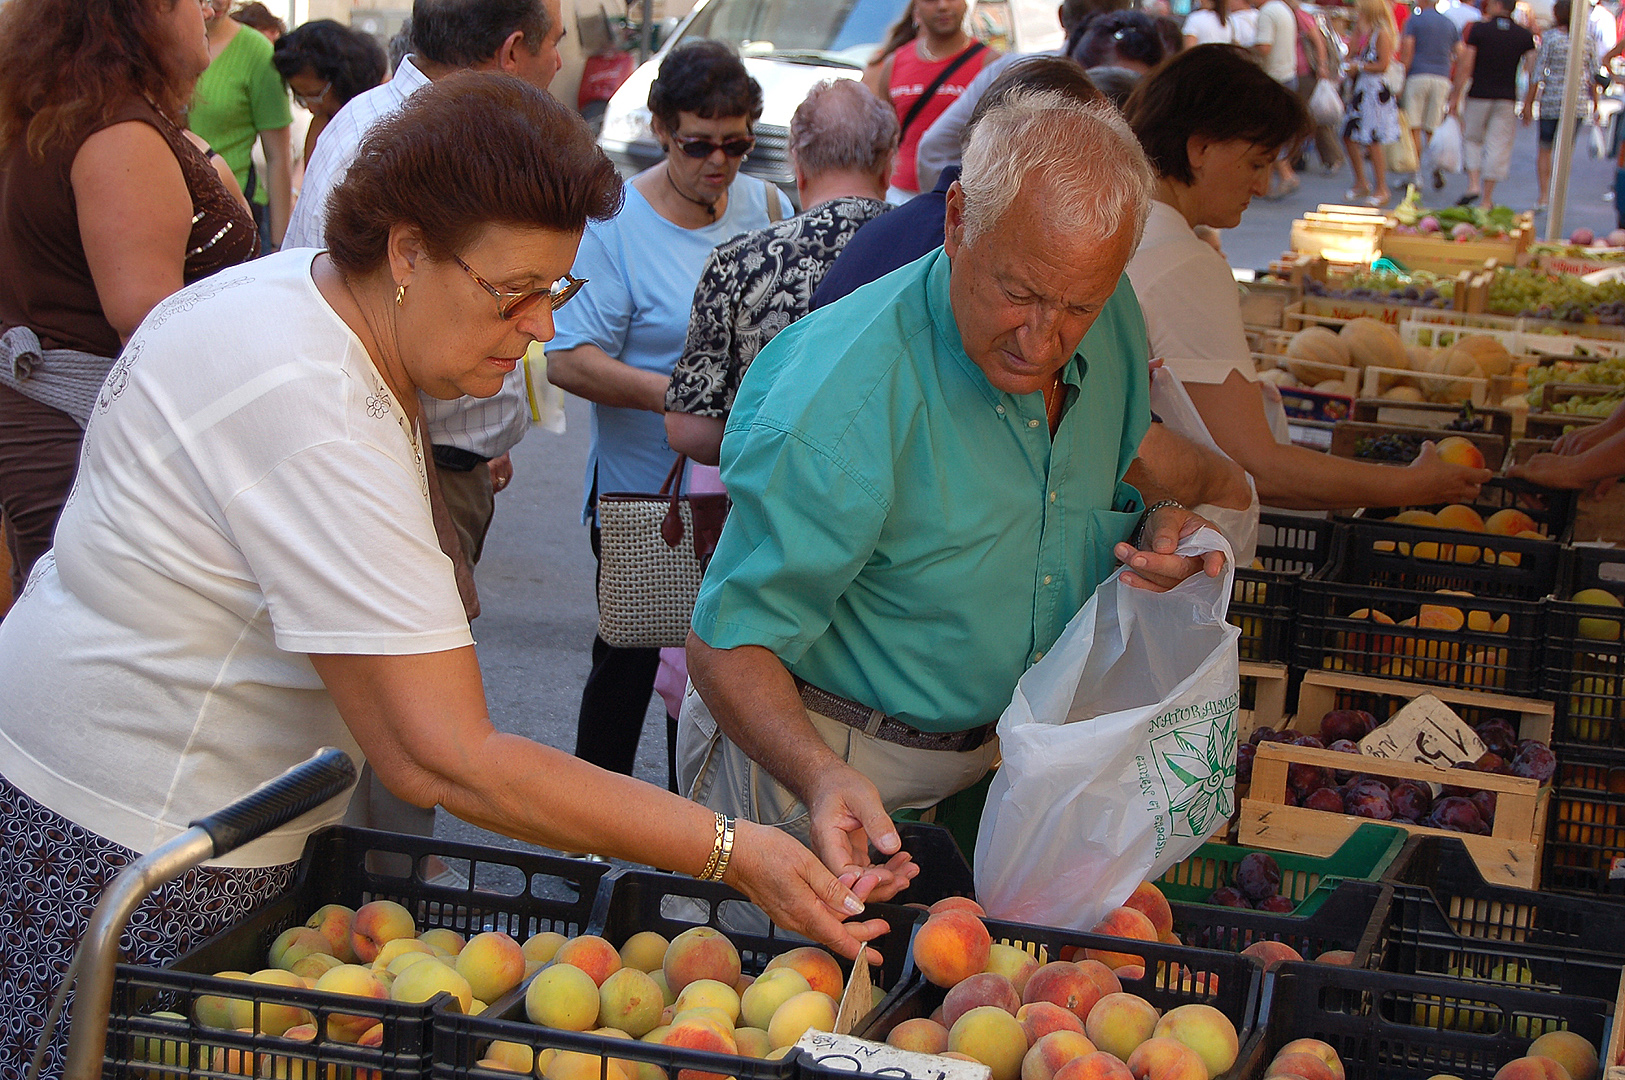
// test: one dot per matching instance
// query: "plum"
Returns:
(1263, 734)
(1228, 897)
(1411, 800)
(1491, 762)
(1302, 779)
(1258, 876)
(1369, 799)
(1343, 746)
(1283, 905)
(1582, 237)
(1327, 799)
(1535, 762)
(1498, 737)
(1245, 753)
(1308, 740)
(1485, 802)
(1457, 815)
(1351, 724)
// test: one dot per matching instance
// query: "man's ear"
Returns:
(953, 225)
(507, 53)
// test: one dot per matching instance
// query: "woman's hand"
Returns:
(798, 892)
(1580, 440)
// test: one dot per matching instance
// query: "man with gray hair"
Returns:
(842, 142)
(927, 485)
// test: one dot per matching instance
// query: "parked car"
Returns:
(788, 46)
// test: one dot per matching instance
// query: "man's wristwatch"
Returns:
(1139, 533)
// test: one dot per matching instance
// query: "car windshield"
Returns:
(844, 32)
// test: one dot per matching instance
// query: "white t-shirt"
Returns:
(1190, 300)
(1204, 25)
(249, 493)
(1245, 25)
(1278, 28)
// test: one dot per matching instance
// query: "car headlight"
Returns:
(628, 127)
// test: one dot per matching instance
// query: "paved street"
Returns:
(536, 579)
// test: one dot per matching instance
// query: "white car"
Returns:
(788, 46)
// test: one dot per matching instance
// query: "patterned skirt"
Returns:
(52, 872)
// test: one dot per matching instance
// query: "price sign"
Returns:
(847, 1053)
(1426, 731)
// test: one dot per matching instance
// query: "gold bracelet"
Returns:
(708, 873)
(726, 852)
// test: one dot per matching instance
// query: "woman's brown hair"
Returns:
(470, 150)
(65, 65)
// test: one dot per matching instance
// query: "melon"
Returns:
(1278, 377)
(1402, 393)
(1373, 343)
(1331, 386)
(1491, 355)
(1452, 361)
(1321, 347)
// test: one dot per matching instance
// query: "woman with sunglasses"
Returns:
(617, 346)
(248, 569)
(325, 64)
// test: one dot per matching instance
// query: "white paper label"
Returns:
(847, 1053)
(1425, 731)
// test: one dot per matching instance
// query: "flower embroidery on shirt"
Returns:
(118, 376)
(378, 404)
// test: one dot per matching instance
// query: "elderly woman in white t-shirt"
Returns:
(1212, 122)
(248, 566)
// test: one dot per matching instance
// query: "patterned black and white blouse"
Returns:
(752, 287)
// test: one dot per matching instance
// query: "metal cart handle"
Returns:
(329, 773)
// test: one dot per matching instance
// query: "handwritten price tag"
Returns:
(847, 1053)
(1425, 731)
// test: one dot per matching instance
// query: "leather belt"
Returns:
(877, 724)
(457, 459)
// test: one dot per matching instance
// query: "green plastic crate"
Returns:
(1308, 879)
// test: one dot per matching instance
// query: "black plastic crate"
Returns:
(1585, 827)
(639, 900)
(1442, 868)
(944, 870)
(1386, 1026)
(1262, 600)
(1411, 935)
(1552, 510)
(517, 892)
(1174, 975)
(1338, 924)
(1426, 559)
(1585, 659)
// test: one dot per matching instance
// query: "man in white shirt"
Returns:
(1276, 45)
(471, 436)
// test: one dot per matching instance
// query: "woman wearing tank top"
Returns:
(908, 70)
(106, 207)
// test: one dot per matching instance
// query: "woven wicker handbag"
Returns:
(653, 551)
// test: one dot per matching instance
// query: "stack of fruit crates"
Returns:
(1263, 602)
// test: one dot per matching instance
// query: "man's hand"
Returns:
(1155, 567)
(846, 816)
(1436, 480)
(501, 468)
(1554, 471)
(1580, 440)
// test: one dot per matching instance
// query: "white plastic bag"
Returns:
(1326, 104)
(1444, 147)
(1171, 402)
(1119, 751)
(546, 400)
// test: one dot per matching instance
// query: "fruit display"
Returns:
(1459, 223)
(1563, 297)
(1607, 372)
(1417, 289)
(1306, 1059)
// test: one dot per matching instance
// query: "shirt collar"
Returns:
(409, 77)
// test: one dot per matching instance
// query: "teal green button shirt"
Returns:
(902, 533)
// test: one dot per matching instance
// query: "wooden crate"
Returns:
(1342, 239)
(1478, 390)
(1317, 696)
(1510, 855)
(1441, 255)
(1429, 414)
(1264, 303)
(1269, 682)
(1549, 426)
(1347, 434)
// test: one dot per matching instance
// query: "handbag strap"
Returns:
(671, 526)
(936, 84)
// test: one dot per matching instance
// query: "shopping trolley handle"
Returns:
(278, 801)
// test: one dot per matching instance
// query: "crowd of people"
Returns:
(251, 444)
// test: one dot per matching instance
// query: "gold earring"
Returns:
(400, 295)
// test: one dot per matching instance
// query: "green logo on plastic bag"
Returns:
(1194, 750)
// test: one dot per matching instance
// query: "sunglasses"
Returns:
(701, 148)
(511, 305)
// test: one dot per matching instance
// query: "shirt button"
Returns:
(1052, 496)
(1048, 578)
(1032, 423)
(999, 409)
(1037, 657)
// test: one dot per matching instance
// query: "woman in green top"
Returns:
(241, 95)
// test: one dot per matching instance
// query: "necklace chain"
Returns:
(709, 207)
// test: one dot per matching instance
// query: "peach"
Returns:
(1119, 1023)
(1039, 1018)
(699, 1035)
(217, 1012)
(708, 993)
(591, 954)
(575, 1065)
(1148, 900)
(920, 1035)
(985, 988)
(1122, 922)
(234, 1062)
(315, 966)
(377, 923)
(743, 983)
(405, 960)
(1130, 972)
(1065, 984)
(1304, 1065)
(1459, 451)
(1510, 522)
(398, 947)
(751, 1042)
(294, 944)
(644, 950)
(1046, 1056)
(710, 1014)
(816, 966)
(563, 996)
(278, 1067)
(172, 1050)
(1101, 975)
(424, 980)
(273, 1019)
(700, 953)
(1323, 1050)
(541, 948)
(764, 996)
(1014, 964)
(813, 1010)
(493, 963)
(950, 946)
(630, 1001)
(512, 1056)
(1204, 1029)
(1457, 516)
(1340, 957)
(1271, 952)
(1162, 1058)
(1577, 1056)
(958, 903)
(443, 940)
(1096, 1066)
(992, 1036)
(355, 981)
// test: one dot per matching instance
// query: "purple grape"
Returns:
(1258, 876)
(1228, 897)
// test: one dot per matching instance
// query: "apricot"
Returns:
(993, 1037)
(1046, 1056)
(512, 1056)
(1120, 1022)
(1205, 1030)
(377, 923)
(921, 1035)
(700, 953)
(644, 950)
(764, 996)
(592, 954)
(492, 962)
(1065, 984)
(708, 994)
(1148, 900)
(541, 948)
(951, 945)
(815, 965)
(1122, 922)
(957, 903)
(1440, 617)
(813, 1010)
(630, 1001)
(1323, 1050)
(1271, 952)
(563, 996)
(1014, 964)
(1039, 1018)
(1577, 1056)
(1096, 1066)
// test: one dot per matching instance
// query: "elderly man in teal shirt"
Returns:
(927, 485)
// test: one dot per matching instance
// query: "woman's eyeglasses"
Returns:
(308, 101)
(702, 148)
(512, 305)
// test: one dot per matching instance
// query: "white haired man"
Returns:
(842, 142)
(927, 486)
